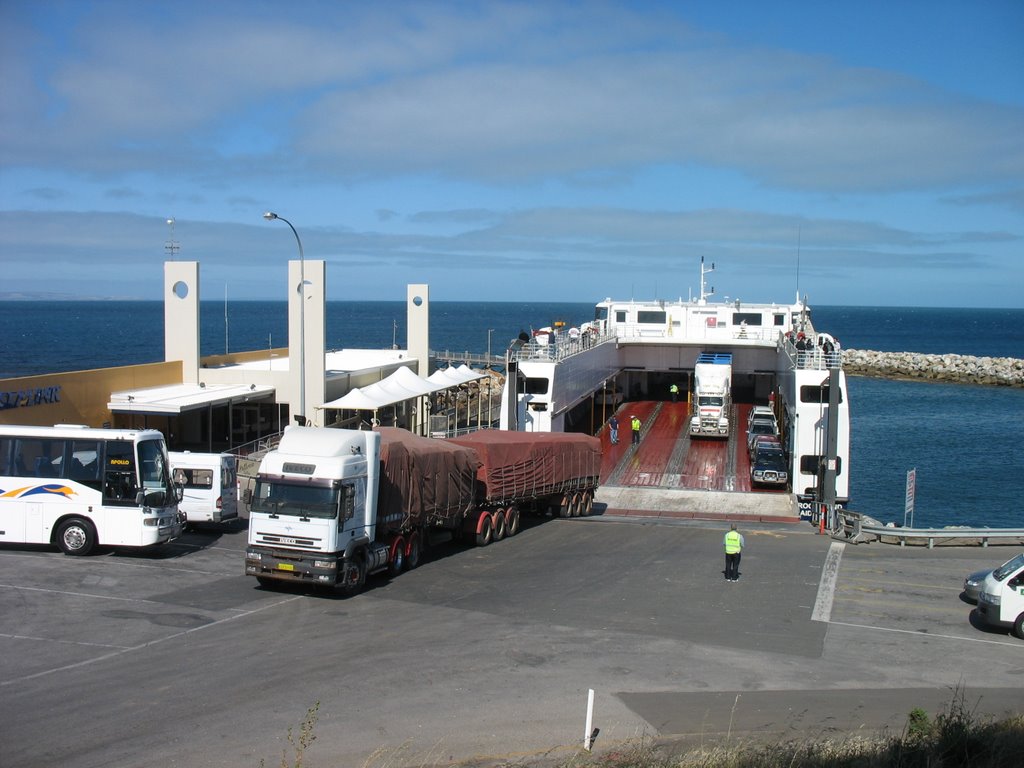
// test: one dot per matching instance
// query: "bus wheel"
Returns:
(484, 535)
(512, 521)
(413, 558)
(1018, 627)
(76, 537)
(499, 525)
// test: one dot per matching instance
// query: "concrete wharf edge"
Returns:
(685, 504)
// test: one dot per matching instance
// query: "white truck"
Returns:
(331, 506)
(712, 395)
(1001, 600)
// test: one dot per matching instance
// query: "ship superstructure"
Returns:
(632, 352)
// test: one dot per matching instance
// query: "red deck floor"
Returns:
(667, 458)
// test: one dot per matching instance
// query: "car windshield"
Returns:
(1008, 567)
(762, 428)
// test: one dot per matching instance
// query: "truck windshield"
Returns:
(709, 400)
(297, 500)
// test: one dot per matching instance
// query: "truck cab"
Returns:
(1001, 602)
(313, 509)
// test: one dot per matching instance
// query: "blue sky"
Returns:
(861, 153)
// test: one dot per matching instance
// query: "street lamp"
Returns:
(489, 332)
(270, 216)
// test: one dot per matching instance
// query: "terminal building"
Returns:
(231, 401)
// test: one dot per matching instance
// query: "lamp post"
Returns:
(270, 216)
(489, 332)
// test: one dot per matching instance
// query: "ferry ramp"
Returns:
(668, 474)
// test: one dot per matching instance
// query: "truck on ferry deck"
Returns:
(1001, 600)
(712, 395)
(332, 506)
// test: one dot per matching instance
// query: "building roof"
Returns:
(176, 399)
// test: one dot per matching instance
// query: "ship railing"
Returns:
(814, 359)
(560, 348)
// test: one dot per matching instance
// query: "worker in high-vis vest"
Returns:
(674, 391)
(733, 542)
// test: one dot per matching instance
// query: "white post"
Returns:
(590, 721)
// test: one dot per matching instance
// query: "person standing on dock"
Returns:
(613, 428)
(733, 542)
(674, 390)
(634, 423)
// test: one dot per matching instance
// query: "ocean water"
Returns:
(963, 441)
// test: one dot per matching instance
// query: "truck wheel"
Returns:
(397, 562)
(498, 523)
(355, 580)
(76, 537)
(565, 508)
(1018, 627)
(265, 581)
(412, 560)
(588, 503)
(483, 536)
(512, 521)
(577, 504)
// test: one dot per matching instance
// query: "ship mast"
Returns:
(704, 292)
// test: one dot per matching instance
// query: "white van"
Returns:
(210, 483)
(1001, 602)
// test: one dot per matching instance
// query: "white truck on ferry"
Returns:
(712, 395)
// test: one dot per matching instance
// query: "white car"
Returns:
(1001, 602)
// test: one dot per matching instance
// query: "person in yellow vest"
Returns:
(674, 390)
(634, 424)
(733, 542)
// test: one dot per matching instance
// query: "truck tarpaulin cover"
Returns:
(423, 479)
(524, 465)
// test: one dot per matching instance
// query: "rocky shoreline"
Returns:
(955, 369)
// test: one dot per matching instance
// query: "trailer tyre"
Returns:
(588, 503)
(498, 522)
(486, 532)
(511, 521)
(412, 559)
(565, 508)
(1018, 627)
(76, 536)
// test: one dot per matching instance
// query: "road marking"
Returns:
(827, 586)
(64, 642)
(925, 634)
(139, 647)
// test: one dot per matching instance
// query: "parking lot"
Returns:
(176, 658)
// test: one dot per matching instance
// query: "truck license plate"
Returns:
(285, 567)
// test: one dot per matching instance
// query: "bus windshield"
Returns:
(298, 500)
(154, 473)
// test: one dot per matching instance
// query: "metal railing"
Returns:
(855, 527)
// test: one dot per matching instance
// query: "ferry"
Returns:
(626, 360)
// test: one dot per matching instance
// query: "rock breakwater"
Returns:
(956, 369)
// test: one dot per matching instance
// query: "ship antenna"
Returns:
(798, 233)
(704, 292)
(171, 246)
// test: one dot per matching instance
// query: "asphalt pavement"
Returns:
(175, 658)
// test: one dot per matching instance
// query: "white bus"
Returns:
(79, 487)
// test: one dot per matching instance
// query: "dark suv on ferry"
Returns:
(768, 467)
